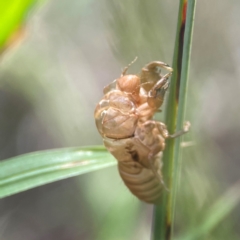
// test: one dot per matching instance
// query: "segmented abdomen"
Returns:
(141, 181)
(140, 171)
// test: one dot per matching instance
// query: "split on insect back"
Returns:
(124, 118)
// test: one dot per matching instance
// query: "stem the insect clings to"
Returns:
(164, 213)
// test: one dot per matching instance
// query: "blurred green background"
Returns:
(51, 82)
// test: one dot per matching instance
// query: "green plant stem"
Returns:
(187, 43)
(164, 213)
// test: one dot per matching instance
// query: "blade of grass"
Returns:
(164, 213)
(161, 226)
(12, 15)
(187, 43)
(35, 169)
(219, 210)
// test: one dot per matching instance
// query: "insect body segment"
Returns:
(124, 119)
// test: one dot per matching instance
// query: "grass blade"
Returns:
(164, 213)
(187, 43)
(12, 15)
(35, 169)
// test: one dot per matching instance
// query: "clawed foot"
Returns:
(185, 129)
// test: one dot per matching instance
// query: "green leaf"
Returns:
(35, 169)
(12, 15)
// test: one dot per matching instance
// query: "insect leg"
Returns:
(160, 87)
(185, 129)
(152, 71)
(156, 94)
(127, 67)
(153, 66)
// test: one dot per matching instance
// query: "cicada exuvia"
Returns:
(124, 118)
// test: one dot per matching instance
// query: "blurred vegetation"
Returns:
(52, 81)
(12, 18)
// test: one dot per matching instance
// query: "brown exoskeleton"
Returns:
(124, 119)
